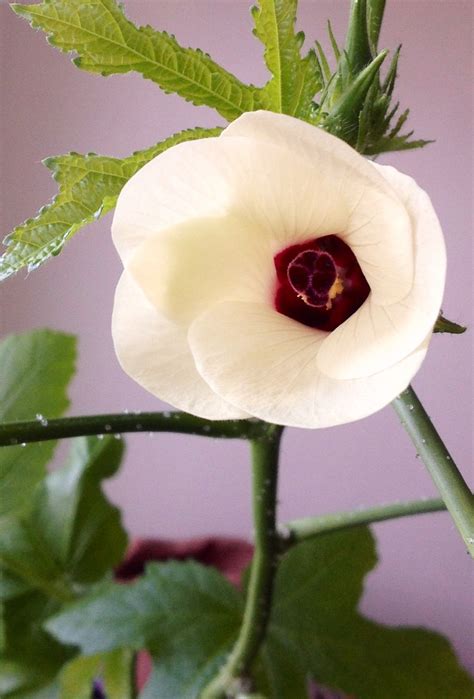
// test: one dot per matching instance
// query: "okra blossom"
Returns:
(275, 272)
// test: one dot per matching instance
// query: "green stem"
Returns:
(16, 433)
(235, 676)
(444, 472)
(301, 529)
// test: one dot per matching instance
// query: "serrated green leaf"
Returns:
(88, 188)
(185, 613)
(443, 325)
(35, 370)
(188, 616)
(106, 42)
(316, 629)
(295, 80)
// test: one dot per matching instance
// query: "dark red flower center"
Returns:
(319, 283)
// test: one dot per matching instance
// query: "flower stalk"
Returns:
(299, 530)
(43, 429)
(451, 485)
(234, 677)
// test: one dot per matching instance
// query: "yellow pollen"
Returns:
(336, 289)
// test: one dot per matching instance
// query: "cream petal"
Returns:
(198, 263)
(155, 353)
(167, 190)
(266, 364)
(376, 337)
(377, 228)
(278, 192)
(272, 190)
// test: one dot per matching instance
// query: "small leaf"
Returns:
(118, 674)
(88, 188)
(35, 370)
(70, 533)
(443, 325)
(78, 676)
(184, 613)
(295, 80)
(106, 42)
(80, 528)
(115, 670)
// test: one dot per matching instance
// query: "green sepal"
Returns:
(375, 11)
(389, 80)
(365, 22)
(355, 104)
(358, 47)
(334, 44)
(343, 119)
(443, 325)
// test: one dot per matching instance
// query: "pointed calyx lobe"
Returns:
(319, 283)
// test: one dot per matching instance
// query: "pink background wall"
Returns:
(178, 486)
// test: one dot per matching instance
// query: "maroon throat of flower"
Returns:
(319, 283)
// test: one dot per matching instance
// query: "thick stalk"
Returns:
(43, 429)
(444, 472)
(234, 677)
(302, 529)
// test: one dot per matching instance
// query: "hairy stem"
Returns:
(234, 677)
(42, 429)
(301, 529)
(444, 472)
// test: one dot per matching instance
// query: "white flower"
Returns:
(202, 230)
